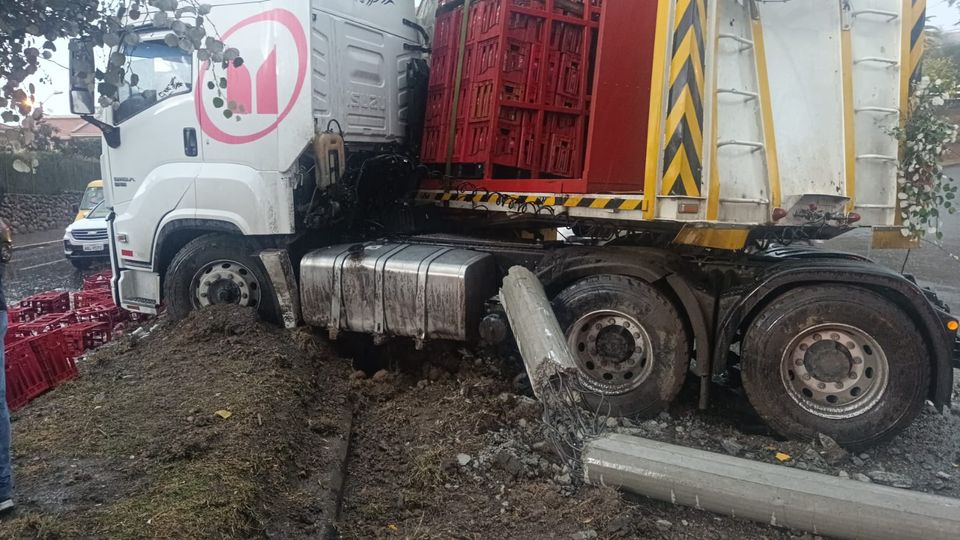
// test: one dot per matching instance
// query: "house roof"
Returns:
(71, 127)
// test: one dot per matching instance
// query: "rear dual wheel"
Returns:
(629, 343)
(842, 361)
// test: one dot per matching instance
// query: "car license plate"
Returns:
(94, 247)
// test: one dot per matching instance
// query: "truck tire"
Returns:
(838, 360)
(218, 269)
(629, 342)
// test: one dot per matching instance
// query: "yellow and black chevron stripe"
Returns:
(918, 22)
(683, 156)
(522, 202)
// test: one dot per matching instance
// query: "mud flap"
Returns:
(280, 269)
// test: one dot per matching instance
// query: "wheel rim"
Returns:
(225, 282)
(835, 371)
(612, 350)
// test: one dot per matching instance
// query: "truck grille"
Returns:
(97, 234)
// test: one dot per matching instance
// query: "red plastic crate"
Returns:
(100, 280)
(48, 302)
(83, 337)
(106, 313)
(20, 315)
(13, 334)
(44, 324)
(25, 377)
(85, 299)
(526, 61)
(51, 351)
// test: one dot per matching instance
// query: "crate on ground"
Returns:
(99, 280)
(82, 337)
(20, 315)
(13, 334)
(106, 313)
(48, 302)
(24, 374)
(45, 323)
(85, 299)
(51, 351)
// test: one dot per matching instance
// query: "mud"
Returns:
(218, 426)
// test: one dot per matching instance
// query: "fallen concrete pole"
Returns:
(771, 494)
(541, 341)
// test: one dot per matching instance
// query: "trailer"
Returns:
(662, 167)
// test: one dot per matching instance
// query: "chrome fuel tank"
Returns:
(404, 290)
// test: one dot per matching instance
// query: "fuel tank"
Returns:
(397, 290)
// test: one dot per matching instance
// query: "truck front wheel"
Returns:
(218, 269)
(842, 361)
(629, 343)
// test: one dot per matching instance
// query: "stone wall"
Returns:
(28, 213)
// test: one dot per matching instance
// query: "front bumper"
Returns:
(75, 251)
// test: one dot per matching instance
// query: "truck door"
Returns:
(154, 168)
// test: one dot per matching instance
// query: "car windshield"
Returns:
(91, 198)
(100, 211)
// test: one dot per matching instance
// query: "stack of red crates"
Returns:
(523, 100)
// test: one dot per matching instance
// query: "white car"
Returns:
(85, 240)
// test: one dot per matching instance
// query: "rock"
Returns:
(731, 446)
(664, 525)
(464, 459)
(833, 453)
(664, 415)
(891, 479)
(381, 375)
(588, 534)
(613, 423)
(627, 423)
(862, 478)
(843, 474)
(864, 456)
(564, 479)
(358, 375)
(857, 462)
(894, 451)
(651, 425)
(509, 463)
(944, 476)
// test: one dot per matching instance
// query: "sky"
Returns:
(940, 13)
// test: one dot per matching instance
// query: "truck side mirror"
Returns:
(82, 70)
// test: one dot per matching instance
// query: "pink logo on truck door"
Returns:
(255, 87)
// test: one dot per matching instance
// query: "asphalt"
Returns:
(38, 265)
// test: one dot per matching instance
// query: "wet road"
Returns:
(40, 268)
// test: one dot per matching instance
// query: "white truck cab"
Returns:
(188, 157)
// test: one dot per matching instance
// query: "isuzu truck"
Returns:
(661, 165)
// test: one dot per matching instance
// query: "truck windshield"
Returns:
(158, 71)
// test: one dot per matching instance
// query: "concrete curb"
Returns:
(770, 494)
(335, 480)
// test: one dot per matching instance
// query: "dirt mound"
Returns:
(217, 426)
(449, 451)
